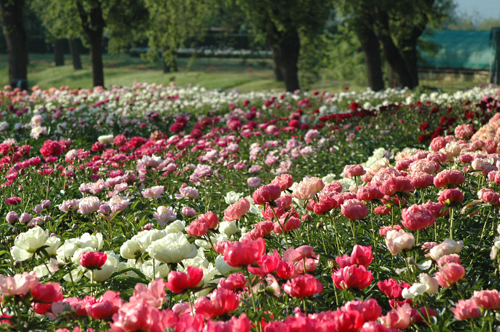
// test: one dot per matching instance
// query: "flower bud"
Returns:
(11, 217)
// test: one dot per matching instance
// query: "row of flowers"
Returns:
(249, 219)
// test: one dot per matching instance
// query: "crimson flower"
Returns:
(180, 281)
(302, 286)
(352, 277)
(93, 260)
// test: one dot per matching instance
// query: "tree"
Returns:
(74, 48)
(59, 51)
(119, 19)
(17, 45)
(60, 21)
(395, 28)
(281, 23)
(171, 24)
(408, 20)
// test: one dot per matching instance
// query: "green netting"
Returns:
(495, 56)
(459, 49)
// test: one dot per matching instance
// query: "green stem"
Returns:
(336, 234)
(190, 303)
(451, 223)
(373, 228)
(282, 228)
(485, 223)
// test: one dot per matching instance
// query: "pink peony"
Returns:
(354, 209)
(466, 309)
(399, 184)
(303, 286)
(417, 217)
(464, 131)
(449, 274)
(451, 197)
(487, 299)
(266, 193)
(351, 171)
(237, 210)
(450, 178)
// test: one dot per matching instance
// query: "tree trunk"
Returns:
(17, 45)
(165, 67)
(59, 52)
(286, 49)
(392, 53)
(93, 30)
(410, 52)
(373, 58)
(95, 43)
(74, 48)
(392, 78)
(278, 73)
(173, 64)
(411, 58)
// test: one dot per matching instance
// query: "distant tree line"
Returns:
(379, 37)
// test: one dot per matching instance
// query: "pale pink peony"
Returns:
(237, 210)
(254, 181)
(19, 284)
(426, 166)
(308, 187)
(153, 192)
(163, 215)
(399, 240)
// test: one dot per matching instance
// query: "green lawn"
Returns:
(249, 75)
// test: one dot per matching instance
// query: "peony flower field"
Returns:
(161, 208)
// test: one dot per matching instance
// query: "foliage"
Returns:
(172, 23)
(344, 59)
(123, 19)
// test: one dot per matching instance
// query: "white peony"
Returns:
(145, 238)
(172, 248)
(223, 267)
(427, 285)
(53, 244)
(447, 247)
(160, 270)
(328, 179)
(27, 243)
(130, 249)
(105, 139)
(228, 227)
(176, 227)
(4, 126)
(232, 197)
(90, 240)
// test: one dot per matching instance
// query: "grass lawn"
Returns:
(227, 74)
